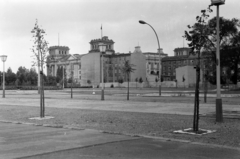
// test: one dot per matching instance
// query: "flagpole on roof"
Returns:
(101, 31)
(58, 40)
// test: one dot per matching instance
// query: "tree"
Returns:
(229, 39)
(156, 80)
(230, 57)
(32, 76)
(127, 69)
(51, 80)
(136, 80)
(120, 81)
(198, 36)
(10, 76)
(89, 82)
(40, 50)
(140, 80)
(22, 75)
(60, 73)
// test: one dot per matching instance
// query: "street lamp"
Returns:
(160, 68)
(219, 114)
(102, 48)
(4, 58)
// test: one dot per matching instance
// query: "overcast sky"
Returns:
(79, 21)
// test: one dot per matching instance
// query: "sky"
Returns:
(77, 22)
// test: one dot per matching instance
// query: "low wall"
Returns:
(140, 85)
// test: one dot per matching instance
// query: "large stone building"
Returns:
(86, 68)
(59, 57)
(112, 64)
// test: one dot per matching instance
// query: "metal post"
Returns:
(71, 83)
(38, 32)
(160, 68)
(3, 81)
(63, 76)
(219, 115)
(160, 71)
(102, 97)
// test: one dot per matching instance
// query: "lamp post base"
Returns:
(219, 113)
(39, 89)
(3, 93)
(102, 98)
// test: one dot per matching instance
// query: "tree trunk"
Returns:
(128, 90)
(205, 89)
(43, 100)
(71, 87)
(196, 103)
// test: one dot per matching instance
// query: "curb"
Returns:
(126, 134)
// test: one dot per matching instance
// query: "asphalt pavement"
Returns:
(27, 141)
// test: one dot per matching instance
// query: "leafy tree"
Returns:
(88, 82)
(156, 80)
(120, 81)
(136, 80)
(10, 76)
(40, 50)
(32, 76)
(198, 36)
(22, 75)
(40, 47)
(60, 72)
(230, 58)
(140, 80)
(51, 80)
(229, 39)
(127, 69)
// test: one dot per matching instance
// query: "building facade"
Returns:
(86, 68)
(112, 64)
(59, 57)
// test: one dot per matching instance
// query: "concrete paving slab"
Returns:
(144, 148)
(19, 140)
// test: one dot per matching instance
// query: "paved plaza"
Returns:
(21, 139)
(35, 142)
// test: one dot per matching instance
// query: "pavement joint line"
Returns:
(75, 148)
(126, 134)
(191, 142)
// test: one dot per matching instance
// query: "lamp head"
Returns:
(3, 58)
(142, 22)
(217, 2)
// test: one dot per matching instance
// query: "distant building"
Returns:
(86, 68)
(112, 63)
(59, 57)
(181, 58)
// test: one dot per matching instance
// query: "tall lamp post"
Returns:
(102, 48)
(219, 114)
(160, 68)
(4, 58)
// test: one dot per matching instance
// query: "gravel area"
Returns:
(151, 124)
